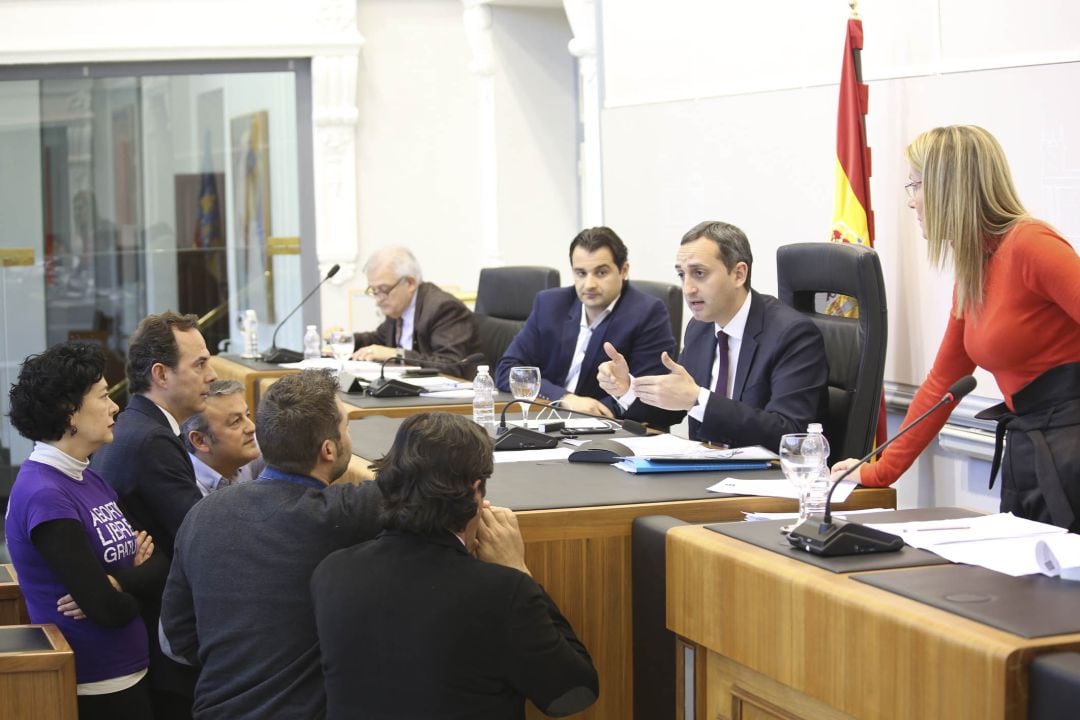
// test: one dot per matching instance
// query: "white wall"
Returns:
(536, 129)
(728, 111)
(421, 136)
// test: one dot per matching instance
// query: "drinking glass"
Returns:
(525, 385)
(342, 345)
(801, 458)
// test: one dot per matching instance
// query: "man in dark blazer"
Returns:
(567, 328)
(169, 376)
(438, 616)
(770, 379)
(424, 324)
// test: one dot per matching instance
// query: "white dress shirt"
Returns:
(584, 335)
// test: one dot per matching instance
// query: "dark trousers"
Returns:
(130, 704)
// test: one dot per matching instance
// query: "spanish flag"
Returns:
(853, 220)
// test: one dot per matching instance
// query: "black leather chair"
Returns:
(854, 347)
(1054, 686)
(672, 297)
(504, 298)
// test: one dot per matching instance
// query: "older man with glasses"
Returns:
(424, 325)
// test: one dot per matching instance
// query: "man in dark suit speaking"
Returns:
(413, 626)
(751, 369)
(567, 328)
(424, 324)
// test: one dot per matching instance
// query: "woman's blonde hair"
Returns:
(969, 202)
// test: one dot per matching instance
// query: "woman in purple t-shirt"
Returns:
(81, 565)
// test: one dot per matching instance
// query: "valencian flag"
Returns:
(853, 220)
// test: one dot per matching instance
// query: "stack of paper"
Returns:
(775, 488)
(1002, 542)
(666, 453)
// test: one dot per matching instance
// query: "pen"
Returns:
(953, 527)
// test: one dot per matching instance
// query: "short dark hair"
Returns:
(426, 477)
(592, 239)
(51, 388)
(732, 247)
(295, 416)
(153, 342)
(197, 422)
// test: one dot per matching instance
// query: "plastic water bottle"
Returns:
(312, 343)
(483, 404)
(818, 489)
(249, 331)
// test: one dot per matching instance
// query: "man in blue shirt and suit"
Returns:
(752, 369)
(568, 326)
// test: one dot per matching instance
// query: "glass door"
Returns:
(128, 190)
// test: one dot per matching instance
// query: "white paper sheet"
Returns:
(1002, 542)
(509, 456)
(775, 488)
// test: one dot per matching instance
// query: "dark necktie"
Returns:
(397, 332)
(722, 365)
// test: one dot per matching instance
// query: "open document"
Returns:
(1001, 542)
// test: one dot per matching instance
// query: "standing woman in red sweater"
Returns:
(1016, 313)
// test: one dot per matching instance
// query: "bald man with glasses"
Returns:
(424, 325)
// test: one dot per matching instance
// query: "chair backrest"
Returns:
(672, 298)
(504, 298)
(854, 347)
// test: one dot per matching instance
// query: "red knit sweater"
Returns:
(1029, 322)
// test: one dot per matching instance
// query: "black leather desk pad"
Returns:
(1030, 606)
(5, 576)
(553, 484)
(766, 534)
(23, 639)
(254, 364)
(367, 402)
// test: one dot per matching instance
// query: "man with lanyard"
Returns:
(237, 603)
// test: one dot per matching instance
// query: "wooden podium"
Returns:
(37, 674)
(765, 636)
(12, 606)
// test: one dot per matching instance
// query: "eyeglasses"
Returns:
(912, 188)
(383, 290)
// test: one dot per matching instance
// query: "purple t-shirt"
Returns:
(42, 493)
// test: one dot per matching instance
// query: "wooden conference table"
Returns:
(769, 636)
(576, 521)
(257, 376)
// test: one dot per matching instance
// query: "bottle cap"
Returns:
(814, 428)
(481, 368)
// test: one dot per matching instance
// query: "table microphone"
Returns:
(380, 387)
(821, 535)
(277, 355)
(519, 438)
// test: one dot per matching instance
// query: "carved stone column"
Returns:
(582, 17)
(477, 21)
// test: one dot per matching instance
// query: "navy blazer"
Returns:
(639, 327)
(150, 470)
(781, 380)
(152, 474)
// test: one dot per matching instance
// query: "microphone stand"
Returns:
(383, 388)
(518, 438)
(822, 535)
(277, 355)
